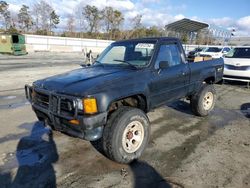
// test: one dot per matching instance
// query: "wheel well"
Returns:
(138, 101)
(210, 80)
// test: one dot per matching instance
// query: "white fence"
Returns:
(64, 44)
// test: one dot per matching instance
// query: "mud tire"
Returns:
(202, 102)
(116, 128)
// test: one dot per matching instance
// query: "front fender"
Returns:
(105, 99)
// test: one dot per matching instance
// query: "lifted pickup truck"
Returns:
(108, 100)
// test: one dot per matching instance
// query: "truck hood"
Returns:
(78, 81)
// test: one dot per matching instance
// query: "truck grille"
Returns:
(41, 99)
(242, 68)
(67, 107)
(55, 103)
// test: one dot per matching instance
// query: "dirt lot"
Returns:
(184, 151)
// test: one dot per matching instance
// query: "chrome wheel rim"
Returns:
(133, 136)
(208, 101)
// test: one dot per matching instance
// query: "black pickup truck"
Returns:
(108, 100)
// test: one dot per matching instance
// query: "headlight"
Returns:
(79, 104)
(88, 105)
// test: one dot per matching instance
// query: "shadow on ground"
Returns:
(236, 83)
(181, 106)
(147, 177)
(144, 175)
(35, 155)
(245, 109)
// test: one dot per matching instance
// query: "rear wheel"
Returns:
(126, 134)
(202, 103)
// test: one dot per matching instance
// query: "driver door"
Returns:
(169, 83)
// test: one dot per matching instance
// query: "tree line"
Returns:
(87, 21)
(42, 19)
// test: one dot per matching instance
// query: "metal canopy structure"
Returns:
(186, 26)
(190, 28)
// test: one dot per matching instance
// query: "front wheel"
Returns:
(126, 134)
(202, 103)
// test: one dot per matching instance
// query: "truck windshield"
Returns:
(239, 53)
(128, 53)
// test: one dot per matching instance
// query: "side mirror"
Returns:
(163, 64)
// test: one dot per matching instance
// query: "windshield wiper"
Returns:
(98, 62)
(128, 63)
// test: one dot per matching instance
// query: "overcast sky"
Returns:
(224, 13)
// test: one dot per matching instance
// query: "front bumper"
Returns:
(238, 75)
(89, 128)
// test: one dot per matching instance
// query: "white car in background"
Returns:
(214, 52)
(237, 64)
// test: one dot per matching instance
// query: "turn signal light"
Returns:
(74, 121)
(90, 105)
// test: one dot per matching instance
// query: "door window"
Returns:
(169, 53)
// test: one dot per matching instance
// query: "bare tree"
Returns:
(36, 15)
(53, 20)
(136, 21)
(13, 22)
(117, 22)
(112, 20)
(5, 14)
(45, 17)
(80, 18)
(93, 17)
(24, 18)
(108, 14)
(45, 11)
(42, 11)
(118, 19)
(137, 29)
(71, 23)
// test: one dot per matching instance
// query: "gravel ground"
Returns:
(184, 151)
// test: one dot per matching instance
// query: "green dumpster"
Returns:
(12, 44)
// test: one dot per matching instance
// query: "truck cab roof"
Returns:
(151, 38)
